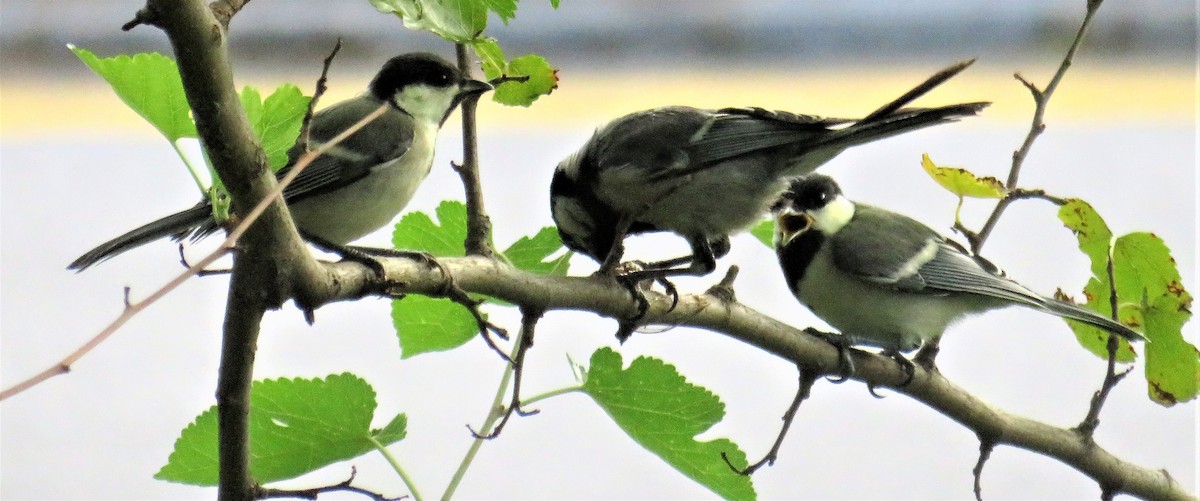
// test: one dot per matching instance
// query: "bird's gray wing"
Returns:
(895, 251)
(733, 132)
(350, 160)
(885, 248)
(648, 144)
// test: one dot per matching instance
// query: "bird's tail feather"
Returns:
(916, 92)
(1084, 315)
(176, 225)
(899, 122)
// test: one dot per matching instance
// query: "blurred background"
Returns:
(77, 168)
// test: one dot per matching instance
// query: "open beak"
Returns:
(789, 225)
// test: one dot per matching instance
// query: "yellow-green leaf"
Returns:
(962, 182)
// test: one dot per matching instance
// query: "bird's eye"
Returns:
(441, 79)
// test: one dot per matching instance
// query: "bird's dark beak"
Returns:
(472, 87)
(789, 225)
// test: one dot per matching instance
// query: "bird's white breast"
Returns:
(876, 314)
(373, 201)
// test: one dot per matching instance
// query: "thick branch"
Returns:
(599, 295)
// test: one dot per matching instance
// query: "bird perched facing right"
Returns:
(362, 183)
(886, 280)
(704, 174)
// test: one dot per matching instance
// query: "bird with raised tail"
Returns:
(705, 174)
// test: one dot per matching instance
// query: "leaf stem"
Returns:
(408, 481)
(552, 393)
(191, 169)
(495, 412)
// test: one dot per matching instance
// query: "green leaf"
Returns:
(277, 120)
(530, 253)
(425, 324)
(543, 79)
(962, 182)
(491, 56)
(662, 412)
(505, 9)
(458, 21)
(296, 426)
(417, 232)
(1146, 272)
(765, 233)
(395, 430)
(149, 83)
(1095, 240)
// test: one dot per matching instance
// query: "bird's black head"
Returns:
(807, 193)
(424, 85)
(413, 68)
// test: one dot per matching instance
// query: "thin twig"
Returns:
(1111, 377)
(529, 319)
(807, 378)
(230, 243)
(313, 493)
(1041, 98)
(479, 225)
(986, 446)
(306, 125)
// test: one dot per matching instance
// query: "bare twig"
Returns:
(1111, 377)
(313, 493)
(230, 243)
(986, 446)
(479, 225)
(529, 319)
(306, 125)
(224, 10)
(1041, 98)
(807, 378)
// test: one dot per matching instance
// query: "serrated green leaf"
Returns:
(296, 426)
(1145, 270)
(530, 253)
(148, 83)
(962, 182)
(425, 324)
(417, 232)
(1095, 241)
(276, 120)
(765, 233)
(543, 79)
(455, 20)
(662, 412)
(395, 430)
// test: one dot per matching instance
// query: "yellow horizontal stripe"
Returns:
(1108, 92)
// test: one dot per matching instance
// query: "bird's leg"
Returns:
(617, 250)
(845, 368)
(703, 261)
(926, 355)
(346, 252)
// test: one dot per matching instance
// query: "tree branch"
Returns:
(1041, 99)
(490, 277)
(479, 225)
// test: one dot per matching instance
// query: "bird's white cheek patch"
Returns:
(833, 216)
